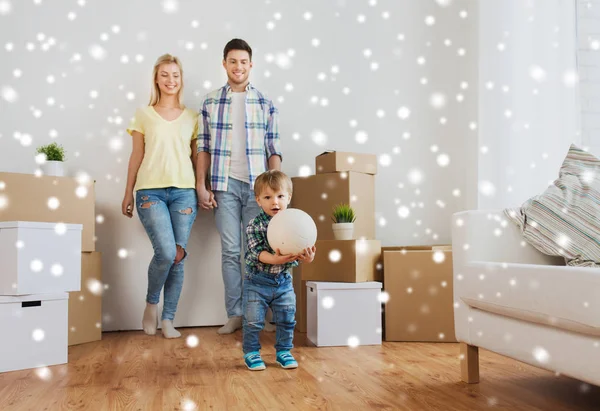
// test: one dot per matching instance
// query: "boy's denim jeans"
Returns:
(167, 214)
(235, 208)
(262, 290)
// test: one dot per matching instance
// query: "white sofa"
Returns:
(513, 300)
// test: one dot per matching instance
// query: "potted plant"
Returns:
(54, 157)
(343, 222)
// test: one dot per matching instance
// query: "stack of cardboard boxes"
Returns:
(25, 197)
(417, 279)
(341, 178)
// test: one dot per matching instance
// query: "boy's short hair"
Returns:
(237, 44)
(275, 180)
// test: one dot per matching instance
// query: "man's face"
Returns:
(238, 66)
(272, 202)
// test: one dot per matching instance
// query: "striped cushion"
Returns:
(565, 219)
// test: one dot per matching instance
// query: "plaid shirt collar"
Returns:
(263, 217)
(227, 87)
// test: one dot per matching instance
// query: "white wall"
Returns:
(588, 65)
(99, 50)
(525, 130)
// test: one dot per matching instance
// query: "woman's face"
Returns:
(168, 78)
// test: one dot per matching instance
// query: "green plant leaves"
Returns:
(343, 213)
(53, 152)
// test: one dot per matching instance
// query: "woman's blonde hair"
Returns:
(155, 93)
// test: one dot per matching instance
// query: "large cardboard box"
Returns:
(347, 261)
(85, 306)
(300, 290)
(419, 283)
(317, 195)
(26, 197)
(337, 161)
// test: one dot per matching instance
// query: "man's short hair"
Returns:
(237, 44)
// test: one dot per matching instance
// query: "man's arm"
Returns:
(205, 197)
(202, 166)
(272, 140)
(275, 162)
(203, 142)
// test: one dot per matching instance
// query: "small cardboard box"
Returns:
(419, 283)
(337, 161)
(49, 199)
(317, 196)
(346, 261)
(85, 306)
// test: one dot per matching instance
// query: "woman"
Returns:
(161, 172)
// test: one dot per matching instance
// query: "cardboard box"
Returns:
(300, 290)
(27, 197)
(337, 161)
(347, 261)
(317, 195)
(85, 306)
(420, 306)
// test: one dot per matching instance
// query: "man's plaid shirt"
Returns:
(257, 243)
(215, 133)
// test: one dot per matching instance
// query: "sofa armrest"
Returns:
(489, 236)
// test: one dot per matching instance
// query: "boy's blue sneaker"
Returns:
(286, 360)
(254, 361)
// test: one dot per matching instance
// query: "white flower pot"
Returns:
(53, 168)
(343, 231)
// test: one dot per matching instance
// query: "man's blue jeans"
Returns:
(235, 208)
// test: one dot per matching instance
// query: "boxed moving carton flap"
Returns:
(337, 161)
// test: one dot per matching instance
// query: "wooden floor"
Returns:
(132, 371)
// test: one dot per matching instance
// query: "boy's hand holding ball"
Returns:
(308, 255)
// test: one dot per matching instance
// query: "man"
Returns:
(238, 140)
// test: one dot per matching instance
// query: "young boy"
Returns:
(268, 281)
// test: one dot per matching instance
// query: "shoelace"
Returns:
(286, 356)
(254, 357)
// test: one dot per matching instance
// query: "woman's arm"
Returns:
(194, 155)
(135, 160)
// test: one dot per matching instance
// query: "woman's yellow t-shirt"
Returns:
(167, 152)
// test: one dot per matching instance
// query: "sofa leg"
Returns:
(469, 363)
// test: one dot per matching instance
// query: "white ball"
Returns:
(291, 231)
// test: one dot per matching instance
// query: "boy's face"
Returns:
(273, 202)
(238, 66)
